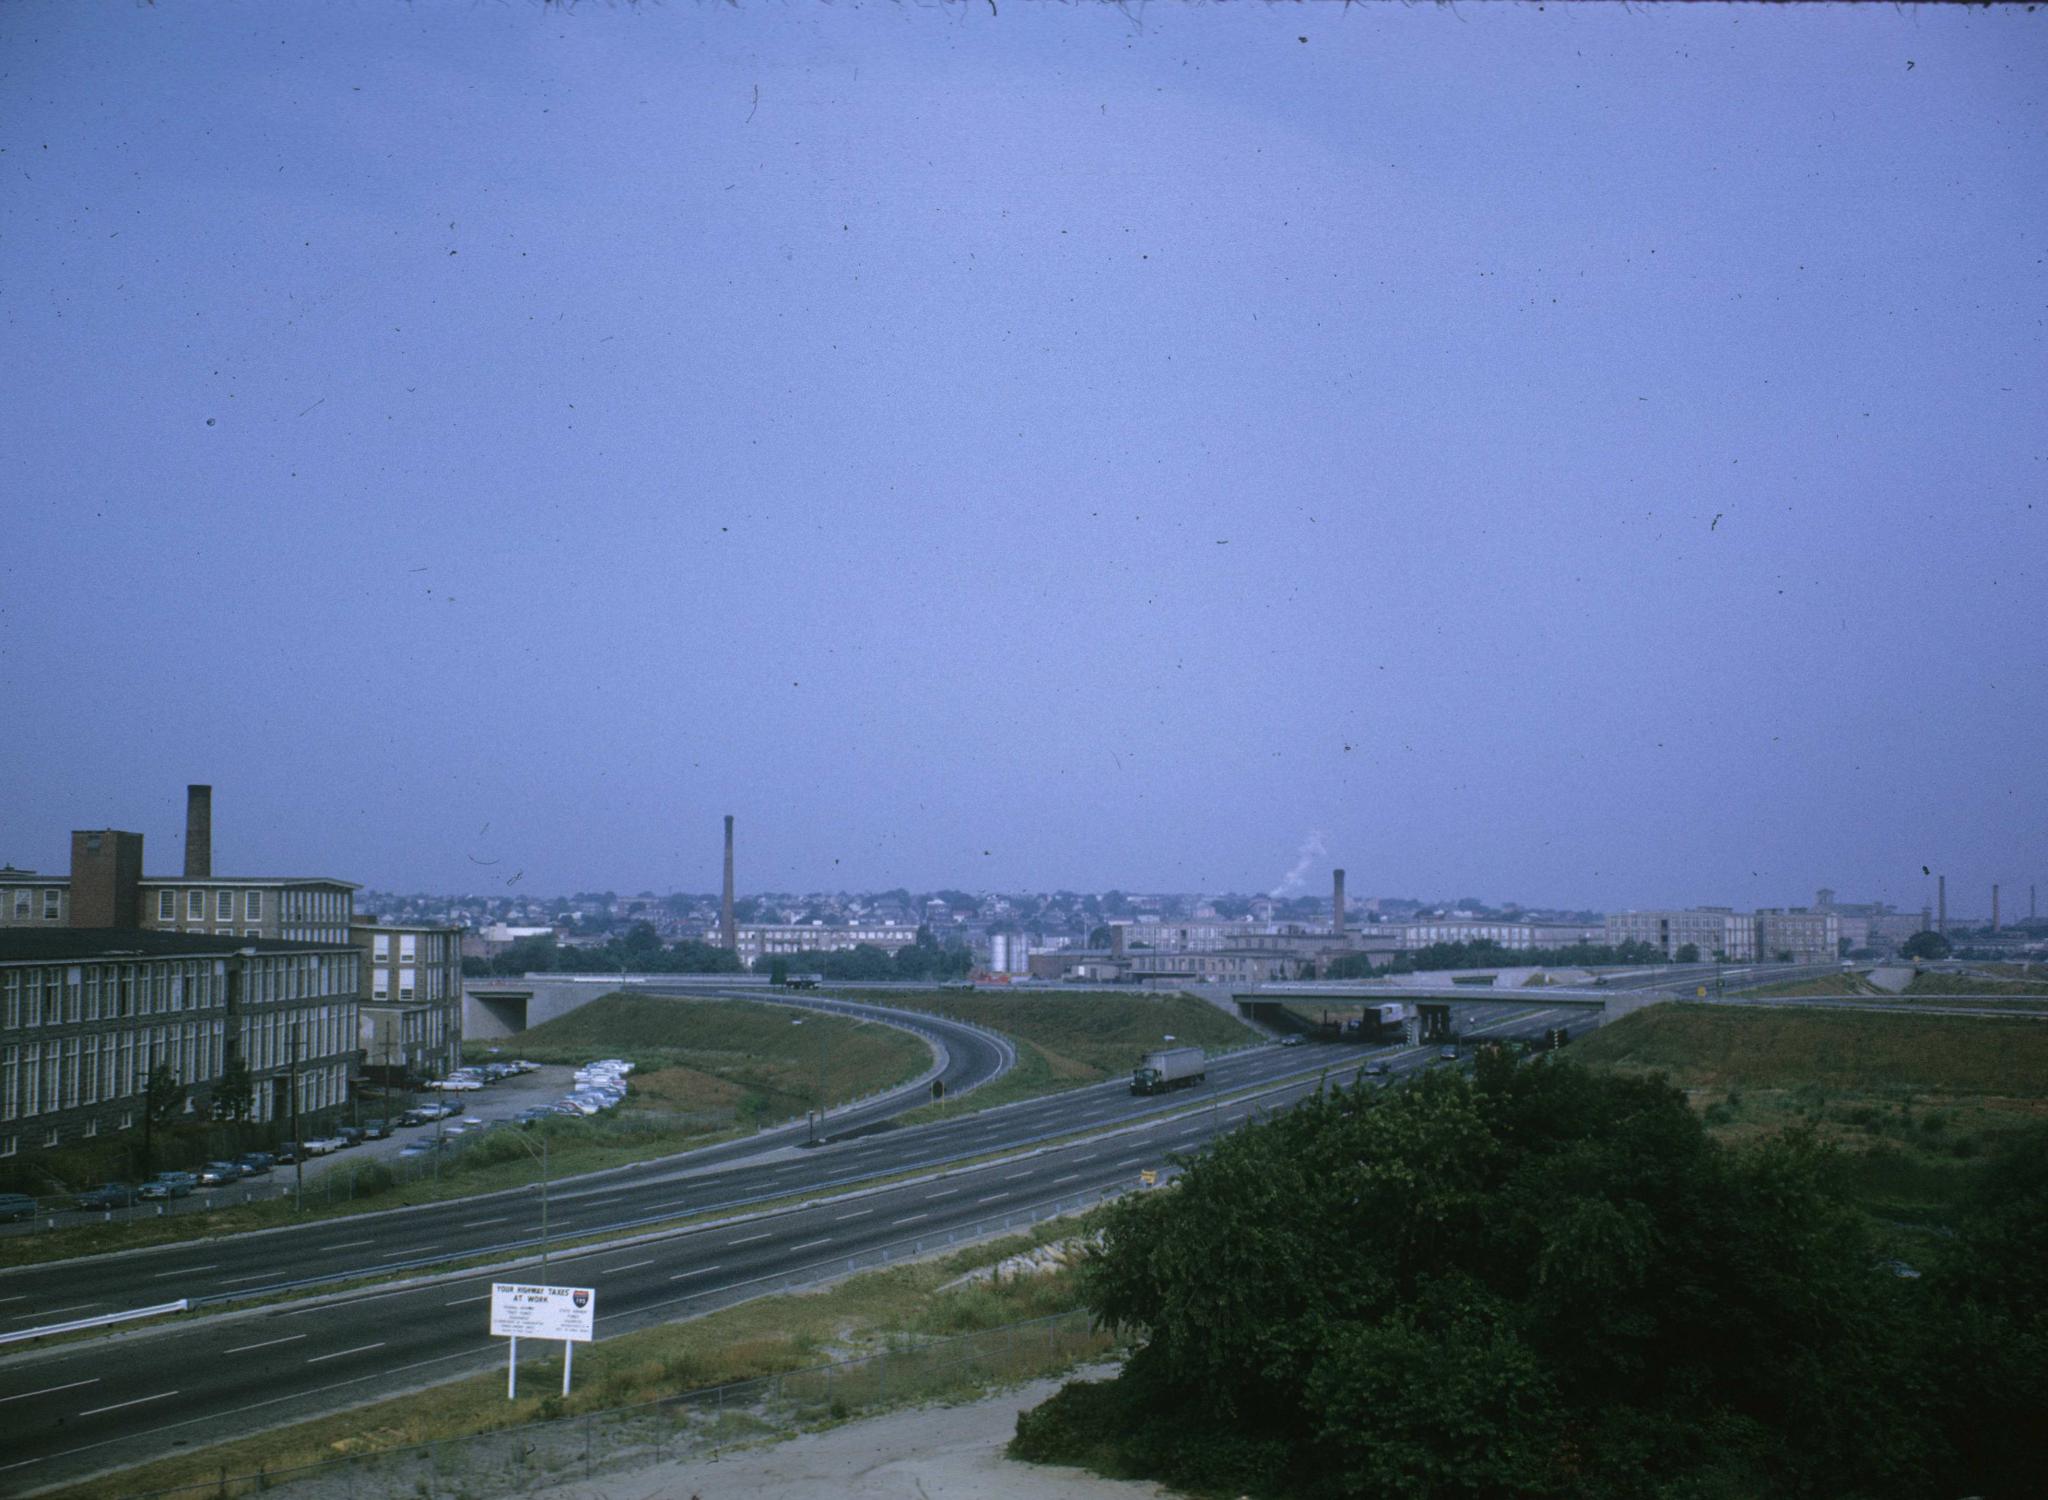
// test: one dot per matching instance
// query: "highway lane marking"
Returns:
(50, 1312)
(702, 1271)
(911, 1220)
(1130, 1161)
(290, 1338)
(185, 1271)
(860, 1213)
(346, 1245)
(479, 1223)
(16, 1298)
(459, 1301)
(1016, 1176)
(159, 1396)
(237, 1280)
(630, 1266)
(943, 1193)
(49, 1390)
(749, 1239)
(1068, 1178)
(990, 1198)
(340, 1353)
(814, 1244)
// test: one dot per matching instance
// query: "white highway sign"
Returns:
(542, 1312)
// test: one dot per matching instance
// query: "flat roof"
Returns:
(62, 944)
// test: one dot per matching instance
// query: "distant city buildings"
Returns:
(792, 939)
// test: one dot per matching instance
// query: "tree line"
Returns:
(1491, 955)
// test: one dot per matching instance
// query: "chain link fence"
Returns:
(689, 1425)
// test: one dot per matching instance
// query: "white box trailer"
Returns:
(1170, 1068)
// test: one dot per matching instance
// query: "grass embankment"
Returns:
(1066, 1040)
(1821, 987)
(1912, 1103)
(896, 1309)
(1923, 986)
(705, 1069)
(696, 1055)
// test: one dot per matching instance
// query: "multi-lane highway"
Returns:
(115, 1401)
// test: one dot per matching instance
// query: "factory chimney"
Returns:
(1941, 904)
(1337, 902)
(728, 933)
(1994, 906)
(198, 833)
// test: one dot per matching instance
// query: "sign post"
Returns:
(568, 1313)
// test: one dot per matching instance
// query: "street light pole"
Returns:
(298, 1141)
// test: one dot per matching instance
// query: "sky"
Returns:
(1586, 455)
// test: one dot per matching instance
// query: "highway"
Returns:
(770, 1166)
(109, 1402)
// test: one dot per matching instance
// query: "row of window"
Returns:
(223, 906)
(25, 903)
(44, 1077)
(66, 994)
(61, 995)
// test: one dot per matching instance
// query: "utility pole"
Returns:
(298, 1141)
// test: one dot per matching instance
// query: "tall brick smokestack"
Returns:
(1994, 908)
(1941, 904)
(728, 931)
(198, 833)
(1337, 902)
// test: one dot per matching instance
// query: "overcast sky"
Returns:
(1577, 454)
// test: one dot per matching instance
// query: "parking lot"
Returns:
(477, 1109)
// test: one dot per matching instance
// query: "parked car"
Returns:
(413, 1117)
(169, 1185)
(16, 1206)
(350, 1135)
(254, 1163)
(219, 1174)
(376, 1130)
(289, 1154)
(107, 1195)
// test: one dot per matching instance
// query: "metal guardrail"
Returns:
(102, 1321)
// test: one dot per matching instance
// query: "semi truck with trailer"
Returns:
(1169, 1068)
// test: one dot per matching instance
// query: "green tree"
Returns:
(1688, 953)
(1929, 944)
(1536, 1280)
(163, 1097)
(234, 1096)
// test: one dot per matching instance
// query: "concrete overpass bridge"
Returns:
(1429, 1011)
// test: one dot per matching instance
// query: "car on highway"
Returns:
(1292, 1039)
(219, 1174)
(1378, 1067)
(107, 1195)
(1447, 1054)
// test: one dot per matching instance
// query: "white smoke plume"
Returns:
(1305, 860)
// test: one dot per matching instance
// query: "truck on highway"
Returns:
(1169, 1068)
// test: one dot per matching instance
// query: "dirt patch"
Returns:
(932, 1452)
